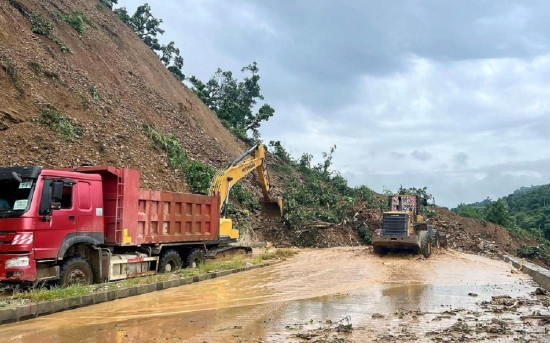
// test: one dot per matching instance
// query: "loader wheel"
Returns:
(443, 240)
(380, 250)
(76, 271)
(195, 258)
(435, 239)
(169, 262)
(425, 244)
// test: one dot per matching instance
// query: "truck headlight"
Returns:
(18, 262)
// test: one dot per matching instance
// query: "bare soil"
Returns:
(134, 89)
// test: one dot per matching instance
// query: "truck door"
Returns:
(54, 224)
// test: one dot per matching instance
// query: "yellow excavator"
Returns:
(253, 159)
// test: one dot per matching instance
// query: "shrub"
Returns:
(9, 68)
(78, 21)
(94, 92)
(36, 68)
(60, 124)
(198, 175)
(40, 25)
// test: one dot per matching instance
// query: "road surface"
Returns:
(333, 295)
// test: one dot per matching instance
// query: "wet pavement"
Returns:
(333, 295)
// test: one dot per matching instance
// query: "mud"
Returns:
(335, 295)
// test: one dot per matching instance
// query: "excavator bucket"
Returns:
(272, 208)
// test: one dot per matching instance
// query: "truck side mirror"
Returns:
(56, 195)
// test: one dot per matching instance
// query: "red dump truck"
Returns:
(95, 224)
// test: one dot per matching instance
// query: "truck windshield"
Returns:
(15, 197)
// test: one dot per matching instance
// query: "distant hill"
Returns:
(530, 207)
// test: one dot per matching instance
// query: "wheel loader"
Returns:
(404, 228)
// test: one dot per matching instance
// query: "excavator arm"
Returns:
(242, 166)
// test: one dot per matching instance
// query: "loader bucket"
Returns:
(272, 208)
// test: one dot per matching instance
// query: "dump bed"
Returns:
(134, 216)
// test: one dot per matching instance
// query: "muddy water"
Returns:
(377, 295)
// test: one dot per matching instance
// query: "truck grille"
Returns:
(395, 224)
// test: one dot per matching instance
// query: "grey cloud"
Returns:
(465, 81)
(421, 155)
(461, 159)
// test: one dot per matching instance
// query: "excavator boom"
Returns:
(242, 166)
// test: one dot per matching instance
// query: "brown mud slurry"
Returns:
(332, 295)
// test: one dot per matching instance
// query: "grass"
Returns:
(48, 294)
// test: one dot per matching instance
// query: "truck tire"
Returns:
(443, 240)
(425, 244)
(169, 262)
(76, 271)
(195, 258)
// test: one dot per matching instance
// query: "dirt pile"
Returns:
(108, 86)
(467, 234)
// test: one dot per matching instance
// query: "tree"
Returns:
(234, 101)
(144, 24)
(109, 3)
(171, 55)
(421, 192)
(497, 213)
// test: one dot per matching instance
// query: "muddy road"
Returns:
(332, 295)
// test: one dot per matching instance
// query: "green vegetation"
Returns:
(77, 20)
(243, 197)
(10, 70)
(94, 93)
(108, 3)
(36, 68)
(317, 193)
(64, 48)
(233, 101)
(147, 28)
(60, 124)
(524, 213)
(198, 175)
(39, 25)
(44, 294)
(85, 103)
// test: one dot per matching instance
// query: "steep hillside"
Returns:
(108, 86)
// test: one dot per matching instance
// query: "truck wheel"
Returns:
(76, 271)
(443, 240)
(425, 244)
(195, 258)
(169, 262)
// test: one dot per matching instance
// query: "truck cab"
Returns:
(44, 213)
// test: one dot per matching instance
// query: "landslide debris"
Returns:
(103, 88)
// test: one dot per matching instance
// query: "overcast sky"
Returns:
(452, 95)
